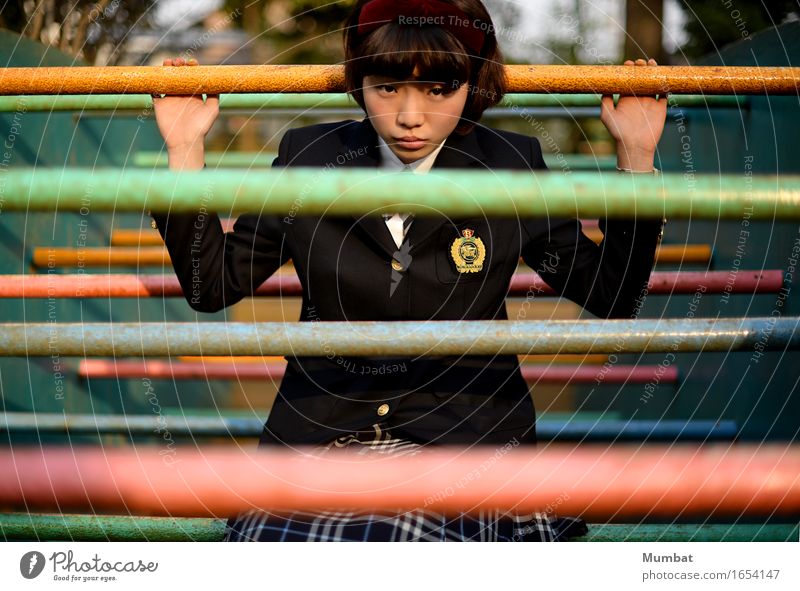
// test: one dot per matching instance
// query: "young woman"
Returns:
(424, 71)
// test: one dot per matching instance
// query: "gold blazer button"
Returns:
(383, 410)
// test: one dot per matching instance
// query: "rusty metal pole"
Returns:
(401, 339)
(327, 78)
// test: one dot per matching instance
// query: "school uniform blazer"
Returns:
(345, 267)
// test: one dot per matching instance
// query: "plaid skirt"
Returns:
(419, 525)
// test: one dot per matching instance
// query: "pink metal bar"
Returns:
(249, 370)
(522, 284)
(593, 482)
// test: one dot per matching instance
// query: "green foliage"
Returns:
(88, 29)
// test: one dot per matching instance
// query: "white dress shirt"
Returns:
(390, 161)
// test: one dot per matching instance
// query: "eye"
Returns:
(441, 91)
(388, 88)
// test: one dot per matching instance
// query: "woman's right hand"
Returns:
(184, 121)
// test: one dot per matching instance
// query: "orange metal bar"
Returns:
(101, 256)
(133, 237)
(595, 483)
(235, 369)
(141, 237)
(131, 256)
(686, 254)
(330, 78)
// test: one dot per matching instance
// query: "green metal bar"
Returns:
(118, 528)
(50, 527)
(700, 532)
(264, 160)
(213, 159)
(352, 192)
(399, 338)
(143, 102)
(580, 162)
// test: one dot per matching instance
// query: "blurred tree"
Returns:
(505, 15)
(87, 29)
(310, 31)
(644, 22)
(711, 24)
(293, 31)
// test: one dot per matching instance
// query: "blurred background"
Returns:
(144, 32)
(141, 32)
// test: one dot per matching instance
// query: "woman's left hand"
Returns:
(636, 122)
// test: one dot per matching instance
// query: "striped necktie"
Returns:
(398, 223)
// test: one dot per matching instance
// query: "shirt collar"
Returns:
(390, 160)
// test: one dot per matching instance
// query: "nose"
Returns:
(411, 113)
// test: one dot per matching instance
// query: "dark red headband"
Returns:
(421, 13)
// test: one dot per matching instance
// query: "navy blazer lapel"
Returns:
(361, 150)
(360, 146)
(459, 151)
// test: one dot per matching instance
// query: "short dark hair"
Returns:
(394, 50)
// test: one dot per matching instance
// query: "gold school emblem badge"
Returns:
(468, 252)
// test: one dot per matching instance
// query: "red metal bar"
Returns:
(593, 482)
(119, 286)
(677, 282)
(234, 369)
(522, 284)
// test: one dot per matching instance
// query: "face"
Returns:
(413, 117)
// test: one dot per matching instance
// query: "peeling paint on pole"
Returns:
(397, 338)
(352, 192)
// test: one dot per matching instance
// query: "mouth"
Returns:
(410, 142)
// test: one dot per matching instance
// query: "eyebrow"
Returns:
(416, 79)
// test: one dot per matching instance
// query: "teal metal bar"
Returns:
(572, 429)
(400, 338)
(92, 528)
(143, 102)
(577, 162)
(100, 528)
(691, 532)
(352, 192)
